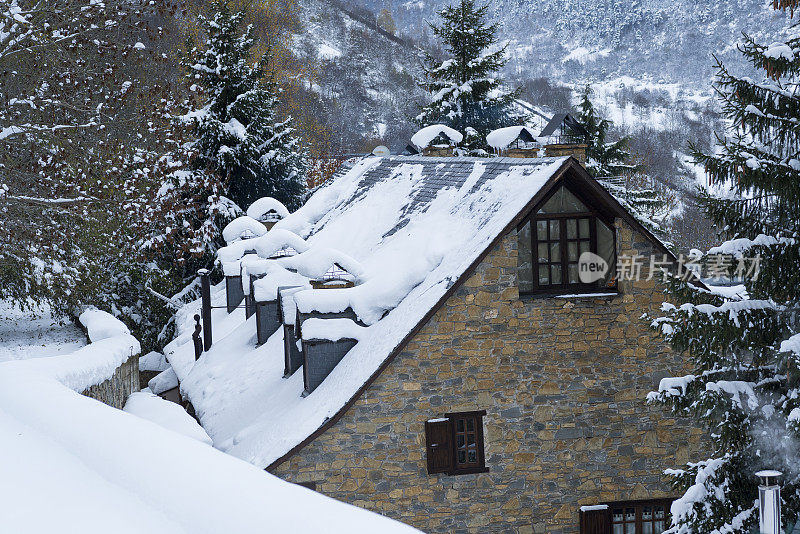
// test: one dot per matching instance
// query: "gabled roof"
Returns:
(563, 118)
(419, 226)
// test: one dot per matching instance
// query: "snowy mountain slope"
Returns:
(600, 39)
(363, 75)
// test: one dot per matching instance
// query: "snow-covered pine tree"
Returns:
(613, 165)
(744, 345)
(238, 134)
(466, 91)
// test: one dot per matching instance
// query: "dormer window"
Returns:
(552, 239)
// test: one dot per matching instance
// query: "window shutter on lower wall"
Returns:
(439, 445)
(595, 520)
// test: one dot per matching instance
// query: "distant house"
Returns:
(475, 377)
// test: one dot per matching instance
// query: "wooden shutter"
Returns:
(596, 521)
(439, 444)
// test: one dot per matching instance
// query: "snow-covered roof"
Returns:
(502, 137)
(414, 225)
(265, 205)
(242, 227)
(424, 137)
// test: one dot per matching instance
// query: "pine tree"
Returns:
(604, 158)
(238, 134)
(613, 166)
(745, 348)
(466, 91)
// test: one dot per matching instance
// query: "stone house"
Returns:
(506, 391)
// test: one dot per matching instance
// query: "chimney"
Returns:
(769, 502)
(562, 148)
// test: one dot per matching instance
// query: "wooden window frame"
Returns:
(608, 525)
(593, 215)
(454, 467)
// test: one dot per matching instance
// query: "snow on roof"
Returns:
(317, 261)
(99, 469)
(502, 137)
(279, 239)
(243, 226)
(332, 329)
(415, 224)
(264, 205)
(425, 136)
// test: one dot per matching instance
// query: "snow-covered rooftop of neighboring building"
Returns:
(72, 464)
(502, 137)
(415, 225)
(424, 137)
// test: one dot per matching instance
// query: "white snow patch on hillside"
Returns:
(583, 55)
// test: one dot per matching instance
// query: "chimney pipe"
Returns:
(769, 502)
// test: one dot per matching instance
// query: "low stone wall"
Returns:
(115, 390)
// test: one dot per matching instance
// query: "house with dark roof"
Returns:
(483, 365)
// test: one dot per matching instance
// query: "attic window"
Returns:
(553, 238)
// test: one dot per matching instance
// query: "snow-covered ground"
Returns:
(35, 334)
(72, 464)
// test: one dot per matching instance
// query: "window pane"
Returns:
(471, 439)
(605, 249)
(572, 251)
(573, 273)
(473, 456)
(524, 258)
(659, 512)
(543, 257)
(462, 456)
(544, 275)
(554, 230)
(659, 527)
(584, 228)
(572, 229)
(470, 425)
(555, 274)
(630, 514)
(647, 513)
(584, 246)
(647, 528)
(562, 201)
(460, 440)
(619, 528)
(459, 425)
(541, 230)
(555, 252)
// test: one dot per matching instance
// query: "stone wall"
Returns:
(116, 390)
(563, 382)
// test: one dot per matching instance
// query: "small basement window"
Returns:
(631, 517)
(455, 443)
(552, 239)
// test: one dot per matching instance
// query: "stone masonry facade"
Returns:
(563, 382)
(115, 390)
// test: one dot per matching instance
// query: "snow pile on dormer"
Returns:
(502, 138)
(243, 227)
(438, 133)
(267, 209)
(332, 329)
(278, 240)
(316, 262)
